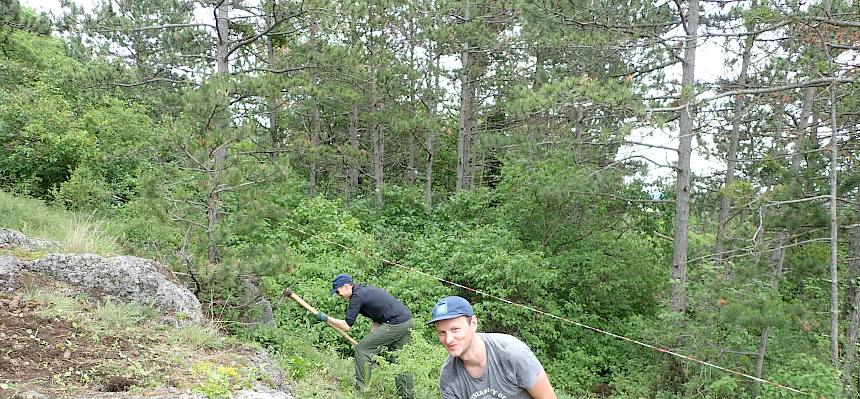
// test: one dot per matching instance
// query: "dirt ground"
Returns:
(39, 351)
(63, 352)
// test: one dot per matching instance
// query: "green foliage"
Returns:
(85, 189)
(421, 358)
(217, 382)
(61, 144)
(807, 374)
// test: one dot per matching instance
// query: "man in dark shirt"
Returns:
(391, 328)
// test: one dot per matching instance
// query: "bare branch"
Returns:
(278, 71)
(764, 90)
(155, 27)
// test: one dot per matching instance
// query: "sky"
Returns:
(710, 66)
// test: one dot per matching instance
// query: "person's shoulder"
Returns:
(448, 369)
(358, 291)
(376, 290)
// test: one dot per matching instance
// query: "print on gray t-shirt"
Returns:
(512, 368)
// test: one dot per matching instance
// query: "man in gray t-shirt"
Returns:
(483, 366)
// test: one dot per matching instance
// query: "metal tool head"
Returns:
(288, 292)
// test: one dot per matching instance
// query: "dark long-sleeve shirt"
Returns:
(376, 304)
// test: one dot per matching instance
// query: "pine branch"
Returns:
(276, 71)
(763, 90)
(154, 27)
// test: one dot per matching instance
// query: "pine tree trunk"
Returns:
(834, 231)
(271, 99)
(315, 143)
(352, 170)
(378, 146)
(678, 299)
(802, 125)
(433, 85)
(411, 172)
(731, 158)
(223, 43)
(315, 128)
(219, 155)
(465, 116)
(853, 298)
(428, 184)
(378, 164)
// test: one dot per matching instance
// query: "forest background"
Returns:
(278, 143)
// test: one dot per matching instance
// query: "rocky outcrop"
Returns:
(259, 310)
(12, 238)
(268, 371)
(9, 266)
(256, 393)
(127, 277)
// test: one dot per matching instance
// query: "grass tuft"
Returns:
(56, 304)
(202, 336)
(78, 233)
(86, 234)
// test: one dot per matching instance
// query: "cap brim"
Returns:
(447, 317)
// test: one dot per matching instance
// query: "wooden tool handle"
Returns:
(345, 335)
(303, 303)
(311, 309)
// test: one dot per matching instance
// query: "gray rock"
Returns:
(9, 266)
(261, 392)
(268, 371)
(41, 244)
(126, 277)
(31, 395)
(149, 395)
(258, 392)
(258, 310)
(12, 238)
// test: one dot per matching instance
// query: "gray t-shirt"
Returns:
(512, 369)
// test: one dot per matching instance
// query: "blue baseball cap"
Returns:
(450, 307)
(339, 281)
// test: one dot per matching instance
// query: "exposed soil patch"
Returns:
(41, 351)
(58, 340)
(119, 384)
(64, 342)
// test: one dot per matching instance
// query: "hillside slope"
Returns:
(64, 339)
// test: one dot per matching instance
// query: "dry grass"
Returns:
(87, 234)
(78, 233)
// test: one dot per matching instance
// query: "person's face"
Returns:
(345, 291)
(456, 334)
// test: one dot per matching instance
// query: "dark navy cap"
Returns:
(339, 281)
(450, 307)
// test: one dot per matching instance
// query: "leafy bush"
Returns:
(806, 373)
(216, 382)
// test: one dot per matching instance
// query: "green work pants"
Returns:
(388, 336)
